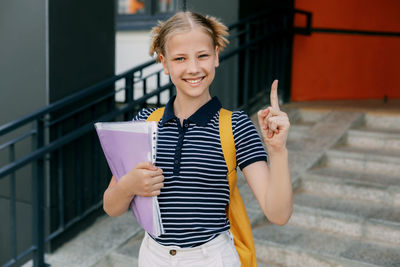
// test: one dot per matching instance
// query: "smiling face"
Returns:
(190, 59)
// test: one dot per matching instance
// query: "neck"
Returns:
(184, 106)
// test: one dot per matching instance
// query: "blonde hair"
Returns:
(185, 21)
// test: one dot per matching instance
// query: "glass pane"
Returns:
(166, 6)
(131, 7)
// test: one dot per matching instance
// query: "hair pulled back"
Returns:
(185, 21)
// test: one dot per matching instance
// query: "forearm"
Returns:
(116, 201)
(279, 196)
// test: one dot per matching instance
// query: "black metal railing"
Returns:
(55, 151)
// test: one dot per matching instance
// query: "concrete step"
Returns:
(347, 225)
(125, 255)
(355, 176)
(306, 116)
(364, 160)
(331, 185)
(90, 246)
(377, 139)
(266, 264)
(298, 131)
(364, 209)
(357, 219)
(302, 120)
(296, 246)
(382, 121)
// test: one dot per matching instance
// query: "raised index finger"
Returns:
(274, 96)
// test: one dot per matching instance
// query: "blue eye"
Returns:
(203, 55)
(179, 59)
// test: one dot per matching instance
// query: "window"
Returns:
(144, 14)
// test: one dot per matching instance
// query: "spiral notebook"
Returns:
(124, 145)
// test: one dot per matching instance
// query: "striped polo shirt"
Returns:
(196, 191)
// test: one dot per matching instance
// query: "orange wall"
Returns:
(328, 66)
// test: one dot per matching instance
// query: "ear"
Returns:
(164, 63)
(216, 63)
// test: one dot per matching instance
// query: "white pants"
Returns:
(219, 252)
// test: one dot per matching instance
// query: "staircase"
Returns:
(347, 206)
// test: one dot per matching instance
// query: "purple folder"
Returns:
(125, 144)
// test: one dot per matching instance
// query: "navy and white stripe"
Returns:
(196, 190)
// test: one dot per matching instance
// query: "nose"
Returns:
(193, 66)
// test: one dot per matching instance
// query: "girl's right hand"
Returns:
(144, 179)
(274, 123)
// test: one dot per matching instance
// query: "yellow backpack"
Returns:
(236, 211)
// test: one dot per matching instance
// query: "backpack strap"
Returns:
(227, 141)
(236, 211)
(156, 115)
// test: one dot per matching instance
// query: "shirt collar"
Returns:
(201, 117)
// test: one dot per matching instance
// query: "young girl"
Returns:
(190, 174)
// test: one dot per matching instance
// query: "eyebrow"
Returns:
(178, 55)
(204, 51)
(199, 52)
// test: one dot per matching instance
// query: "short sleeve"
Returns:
(249, 148)
(143, 114)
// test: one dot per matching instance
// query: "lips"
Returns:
(194, 81)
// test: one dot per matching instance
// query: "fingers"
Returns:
(146, 165)
(261, 116)
(271, 126)
(157, 180)
(153, 185)
(154, 179)
(156, 173)
(274, 97)
(155, 191)
(272, 123)
(264, 123)
(156, 184)
(145, 179)
(149, 168)
(277, 122)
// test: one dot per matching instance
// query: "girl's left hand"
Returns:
(274, 123)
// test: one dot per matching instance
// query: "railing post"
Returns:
(129, 95)
(144, 82)
(171, 89)
(13, 208)
(158, 87)
(246, 70)
(60, 180)
(38, 200)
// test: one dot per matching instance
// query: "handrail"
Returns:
(9, 168)
(5, 128)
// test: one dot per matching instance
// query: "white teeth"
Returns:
(194, 81)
